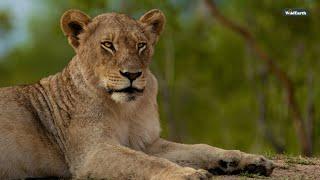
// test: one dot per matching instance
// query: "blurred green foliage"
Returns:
(212, 78)
(6, 24)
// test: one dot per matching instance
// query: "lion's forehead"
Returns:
(117, 27)
(121, 34)
(118, 22)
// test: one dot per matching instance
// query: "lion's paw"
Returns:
(236, 162)
(257, 164)
(228, 163)
(193, 174)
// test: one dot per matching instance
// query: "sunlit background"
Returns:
(213, 88)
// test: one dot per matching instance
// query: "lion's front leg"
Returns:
(117, 162)
(215, 160)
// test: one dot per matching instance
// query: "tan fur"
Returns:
(81, 123)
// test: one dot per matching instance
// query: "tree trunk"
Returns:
(262, 120)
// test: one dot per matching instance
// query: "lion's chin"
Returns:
(122, 97)
(125, 95)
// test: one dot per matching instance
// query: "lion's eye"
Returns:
(108, 45)
(141, 46)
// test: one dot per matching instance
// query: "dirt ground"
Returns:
(287, 168)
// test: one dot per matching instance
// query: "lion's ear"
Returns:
(153, 21)
(72, 24)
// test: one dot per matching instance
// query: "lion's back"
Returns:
(13, 109)
(21, 140)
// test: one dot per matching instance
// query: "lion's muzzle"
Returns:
(131, 75)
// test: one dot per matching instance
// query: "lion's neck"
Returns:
(69, 88)
(56, 99)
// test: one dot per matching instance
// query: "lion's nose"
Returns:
(131, 76)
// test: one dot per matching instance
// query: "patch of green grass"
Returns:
(255, 176)
(299, 160)
(269, 154)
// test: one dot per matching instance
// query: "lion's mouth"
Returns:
(128, 90)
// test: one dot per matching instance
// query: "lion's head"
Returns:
(115, 49)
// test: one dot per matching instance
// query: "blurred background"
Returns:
(217, 83)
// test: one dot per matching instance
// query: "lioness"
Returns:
(98, 117)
